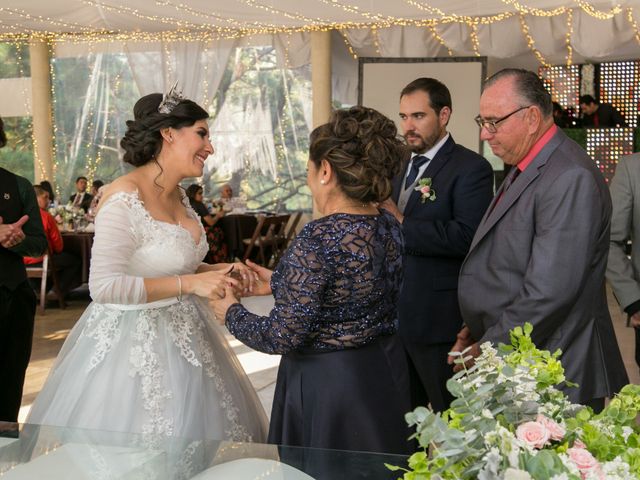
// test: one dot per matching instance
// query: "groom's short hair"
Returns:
(439, 95)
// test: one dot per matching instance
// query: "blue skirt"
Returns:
(352, 399)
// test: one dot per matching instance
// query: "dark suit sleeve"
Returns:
(35, 242)
(471, 194)
(569, 225)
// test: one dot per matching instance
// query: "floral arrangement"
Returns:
(67, 213)
(424, 187)
(509, 422)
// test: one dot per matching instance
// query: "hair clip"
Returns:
(170, 99)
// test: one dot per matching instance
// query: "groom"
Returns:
(438, 226)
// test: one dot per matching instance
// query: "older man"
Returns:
(540, 252)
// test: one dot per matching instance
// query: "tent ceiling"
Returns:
(223, 18)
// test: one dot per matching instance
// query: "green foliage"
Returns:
(479, 436)
(14, 60)
(17, 155)
(578, 135)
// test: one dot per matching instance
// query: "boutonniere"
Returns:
(424, 187)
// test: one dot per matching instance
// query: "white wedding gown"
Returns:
(159, 369)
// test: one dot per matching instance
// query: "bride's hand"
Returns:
(211, 284)
(248, 278)
(220, 306)
(262, 285)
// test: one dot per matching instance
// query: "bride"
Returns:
(146, 357)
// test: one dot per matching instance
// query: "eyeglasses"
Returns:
(492, 125)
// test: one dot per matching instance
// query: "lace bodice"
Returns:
(336, 287)
(131, 245)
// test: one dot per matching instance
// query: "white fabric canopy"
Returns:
(80, 16)
(525, 33)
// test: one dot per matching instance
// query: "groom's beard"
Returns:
(419, 144)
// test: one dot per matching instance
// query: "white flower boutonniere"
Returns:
(424, 187)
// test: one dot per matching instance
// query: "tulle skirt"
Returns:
(160, 369)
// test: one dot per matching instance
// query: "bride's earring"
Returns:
(322, 182)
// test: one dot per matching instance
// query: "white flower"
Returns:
(626, 431)
(514, 474)
(492, 460)
(560, 476)
(616, 469)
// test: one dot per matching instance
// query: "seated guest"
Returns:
(95, 186)
(226, 193)
(343, 381)
(67, 265)
(93, 208)
(218, 251)
(595, 114)
(49, 188)
(81, 198)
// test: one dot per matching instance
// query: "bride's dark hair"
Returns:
(142, 141)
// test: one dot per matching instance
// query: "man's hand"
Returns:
(464, 340)
(634, 320)
(390, 206)
(11, 234)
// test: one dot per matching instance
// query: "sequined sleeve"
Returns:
(298, 300)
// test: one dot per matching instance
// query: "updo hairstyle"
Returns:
(364, 150)
(142, 141)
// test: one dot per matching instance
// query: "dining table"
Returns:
(79, 244)
(236, 227)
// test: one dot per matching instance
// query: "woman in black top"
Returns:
(218, 251)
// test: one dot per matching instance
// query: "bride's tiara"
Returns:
(170, 99)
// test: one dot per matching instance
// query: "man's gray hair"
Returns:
(528, 86)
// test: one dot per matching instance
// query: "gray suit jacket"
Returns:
(624, 274)
(539, 256)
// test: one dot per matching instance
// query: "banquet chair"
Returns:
(46, 270)
(291, 233)
(268, 240)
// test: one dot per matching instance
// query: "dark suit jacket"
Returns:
(608, 116)
(540, 256)
(437, 237)
(86, 201)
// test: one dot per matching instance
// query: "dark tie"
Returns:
(418, 161)
(511, 177)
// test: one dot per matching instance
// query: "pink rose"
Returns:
(578, 444)
(425, 190)
(556, 432)
(585, 462)
(533, 434)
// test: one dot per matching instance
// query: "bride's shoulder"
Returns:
(123, 189)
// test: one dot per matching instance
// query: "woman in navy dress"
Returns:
(342, 382)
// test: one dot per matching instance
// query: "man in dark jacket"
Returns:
(595, 114)
(438, 223)
(21, 234)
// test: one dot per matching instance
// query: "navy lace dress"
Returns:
(342, 382)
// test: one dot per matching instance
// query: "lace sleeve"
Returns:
(113, 246)
(298, 286)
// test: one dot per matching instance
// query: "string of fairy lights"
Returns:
(191, 24)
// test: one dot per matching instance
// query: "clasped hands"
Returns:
(224, 287)
(11, 234)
